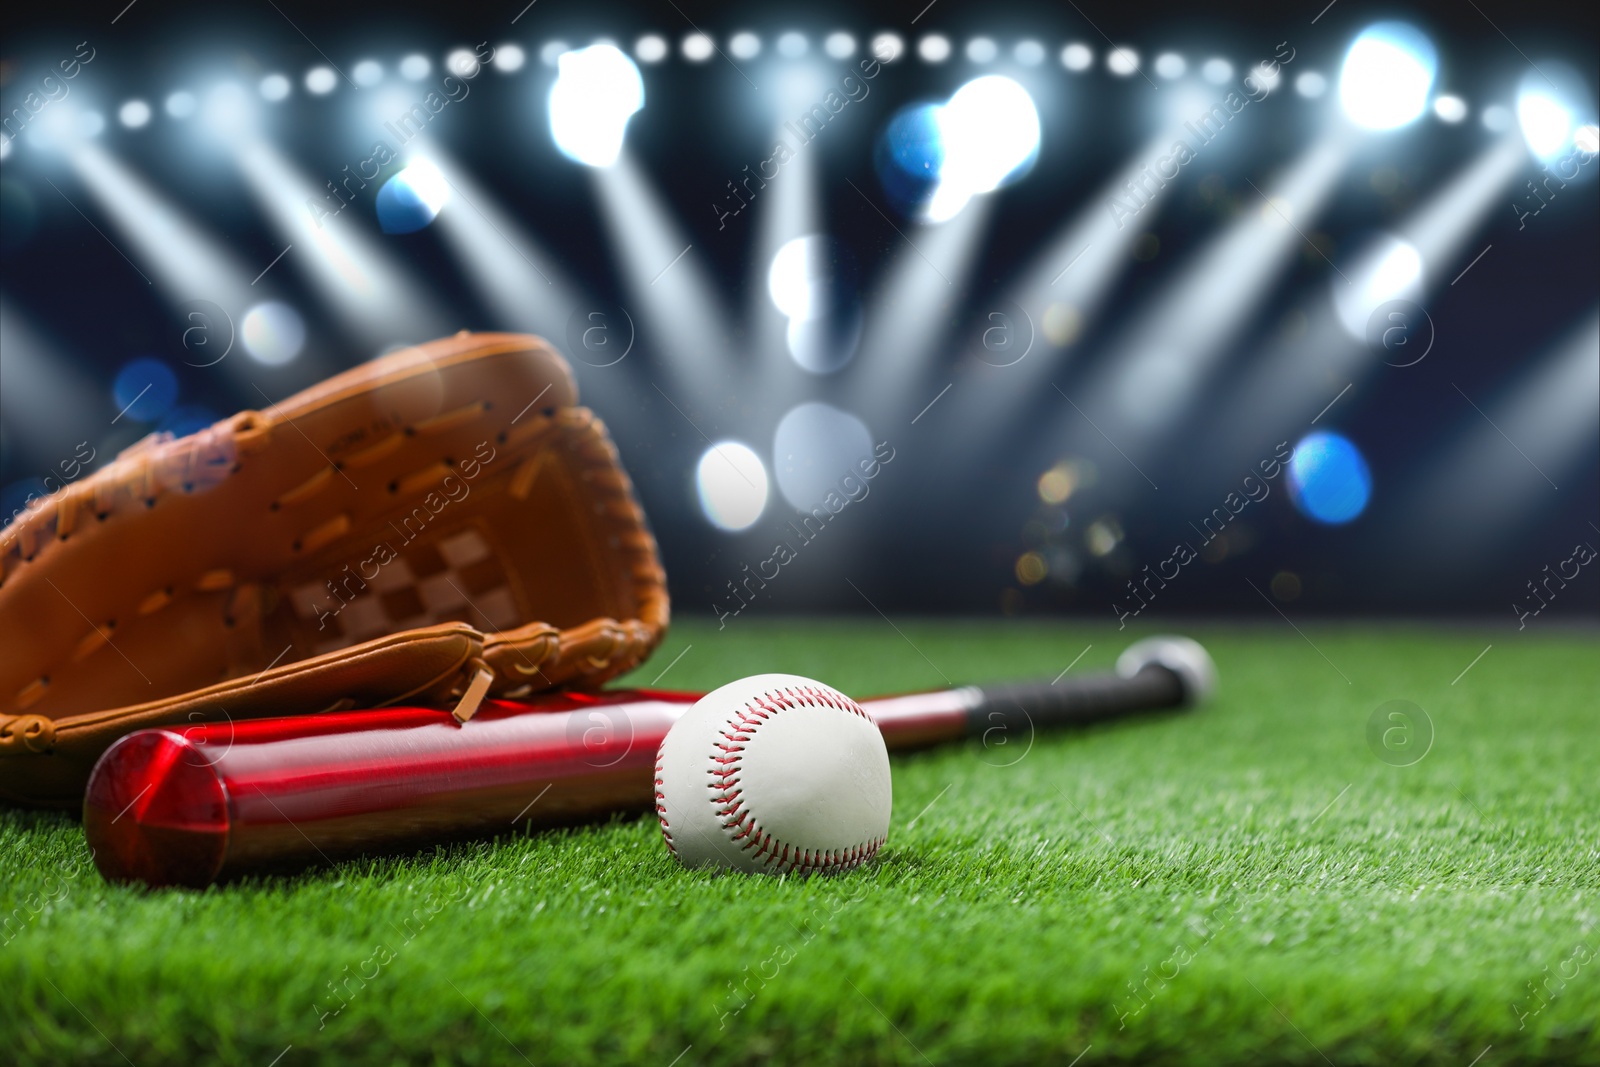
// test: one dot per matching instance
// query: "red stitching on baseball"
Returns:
(661, 801)
(735, 734)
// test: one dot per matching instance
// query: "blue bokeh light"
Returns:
(412, 198)
(145, 389)
(186, 419)
(1328, 478)
(910, 156)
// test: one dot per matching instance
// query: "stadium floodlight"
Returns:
(320, 81)
(982, 50)
(1122, 61)
(888, 47)
(1170, 65)
(934, 48)
(1451, 109)
(274, 87)
(414, 68)
(744, 45)
(1310, 84)
(133, 114)
(1077, 57)
(1390, 269)
(65, 127)
(650, 48)
(367, 73)
(1552, 106)
(412, 198)
(509, 58)
(990, 129)
(1387, 75)
(181, 104)
(733, 486)
(697, 48)
(839, 45)
(1216, 70)
(597, 91)
(229, 113)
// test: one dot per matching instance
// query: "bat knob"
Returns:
(1181, 655)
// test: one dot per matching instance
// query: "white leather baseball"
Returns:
(774, 773)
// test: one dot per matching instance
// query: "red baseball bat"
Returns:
(211, 802)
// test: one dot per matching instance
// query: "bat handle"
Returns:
(1041, 706)
(1157, 673)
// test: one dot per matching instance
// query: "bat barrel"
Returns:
(170, 807)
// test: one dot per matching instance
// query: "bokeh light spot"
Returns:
(145, 389)
(732, 482)
(273, 333)
(1328, 478)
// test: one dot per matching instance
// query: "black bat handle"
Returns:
(1088, 699)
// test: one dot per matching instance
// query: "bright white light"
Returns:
(934, 48)
(274, 87)
(982, 50)
(697, 48)
(56, 128)
(794, 277)
(229, 110)
(182, 104)
(839, 45)
(414, 68)
(989, 128)
(1122, 61)
(733, 487)
(425, 180)
(133, 114)
(815, 447)
(1390, 269)
(1170, 65)
(650, 48)
(463, 63)
(597, 91)
(792, 45)
(1545, 124)
(1077, 57)
(744, 45)
(1028, 53)
(888, 47)
(366, 73)
(321, 80)
(550, 55)
(1387, 75)
(273, 333)
(1586, 139)
(1216, 70)
(1310, 84)
(1451, 109)
(1263, 78)
(509, 58)
(1553, 101)
(1496, 118)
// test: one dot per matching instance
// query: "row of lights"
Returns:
(322, 80)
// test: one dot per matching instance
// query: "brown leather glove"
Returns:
(430, 527)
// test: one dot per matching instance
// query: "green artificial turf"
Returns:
(1245, 884)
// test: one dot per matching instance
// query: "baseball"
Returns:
(774, 773)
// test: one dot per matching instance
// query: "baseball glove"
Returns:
(435, 526)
